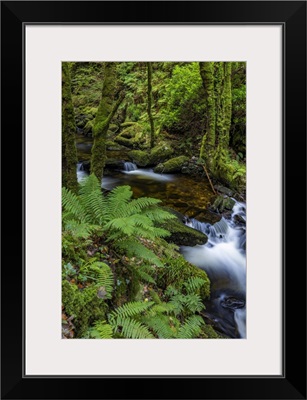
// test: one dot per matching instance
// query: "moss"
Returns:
(160, 153)
(124, 142)
(133, 136)
(139, 157)
(208, 332)
(69, 150)
(222, 203)
(107, 108)
(177, 271)
(183, 235)
(89, 127)
(172, 165)
(84, 305)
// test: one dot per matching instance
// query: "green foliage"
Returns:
(182, 95)
(229, 170)
(102, 276)
(191, 328)
(123, 220)
(101, 330)
(84, 305)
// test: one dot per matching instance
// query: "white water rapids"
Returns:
(223, 258)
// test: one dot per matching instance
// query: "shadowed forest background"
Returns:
(154, 181)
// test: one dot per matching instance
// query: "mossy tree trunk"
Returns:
(149, 104)
(109, 103)
(226, 107)
(69, 151)
(216, 78)
(208, 141)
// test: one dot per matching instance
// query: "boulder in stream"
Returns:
(172, 165)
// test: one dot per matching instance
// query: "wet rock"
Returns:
(224, 190)
(139, 157)
(113, 163)
(160, 153)
(239, 220)
(222, 203)
(232, 303)
(171, 166)
(183, 235)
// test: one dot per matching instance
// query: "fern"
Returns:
(144, 272)
(132, 329)
(128, 310)
(160, 324)
(191, 328)
(101, 330)
(193, 284)
(72, 206)
(102, 276)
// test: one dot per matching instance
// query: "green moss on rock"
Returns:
(172, 165)
(83, 304)
(160, 153)
(177, 271)
(183, 235)
(139, 157)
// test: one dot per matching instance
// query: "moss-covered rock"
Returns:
(110, 145)
(113, 163)
(160, 153)
(83, 304)
(183, 235)
(222, 203)
(124, 142)
(172, 165)
(139, 157)
(177, 271)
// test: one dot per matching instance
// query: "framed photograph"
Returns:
(161, 154)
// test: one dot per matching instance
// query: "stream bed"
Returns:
(223, 257)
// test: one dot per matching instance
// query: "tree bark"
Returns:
(69, 151)
(227, 107)
(208, 142)
(107, 108)
(149, 104)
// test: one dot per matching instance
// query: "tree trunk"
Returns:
(107, 108)
(208, 142)
(227, 107)
(69, 151)
(149, 105)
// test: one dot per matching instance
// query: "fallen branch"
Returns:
(205, 169)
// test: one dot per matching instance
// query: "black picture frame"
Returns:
(292, 16)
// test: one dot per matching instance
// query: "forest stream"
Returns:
(223, 257)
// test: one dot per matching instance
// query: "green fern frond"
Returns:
(193, 302)
(118, 199)
(128, 310)
(160, 324)
(136, 206)
(134, 248)
(102, 276)
(191, 328)
(193, 284)
(132, 329)
(93, 200)
(79, 229)
(101, 330)
(71, 205)
(144, 273)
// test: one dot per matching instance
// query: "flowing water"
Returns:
(222, 257)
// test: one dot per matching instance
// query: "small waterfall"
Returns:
(223, 258)
(129, 166)
(81, 173)
(240, 318)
